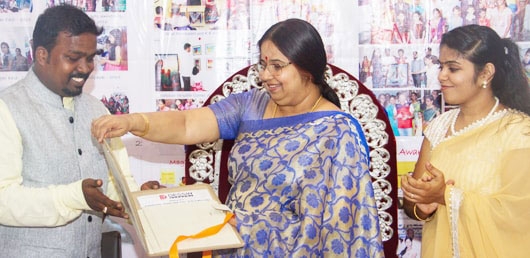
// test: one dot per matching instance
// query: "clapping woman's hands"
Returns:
(430, 188)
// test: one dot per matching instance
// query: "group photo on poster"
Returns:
(92, 5)
(15, 6)
(200, 15)
(116, 103)
(15, 50)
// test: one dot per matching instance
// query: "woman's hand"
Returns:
(151, 185)
(430, 188)
(110, 126)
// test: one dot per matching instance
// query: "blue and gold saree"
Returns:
(300, 184)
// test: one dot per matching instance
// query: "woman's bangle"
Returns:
(146, 127)
(418, 217)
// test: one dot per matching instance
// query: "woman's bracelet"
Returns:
(418, 217)
(146, 127)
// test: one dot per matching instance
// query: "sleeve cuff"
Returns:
(72, 196)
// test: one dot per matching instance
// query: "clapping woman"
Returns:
(470, 184)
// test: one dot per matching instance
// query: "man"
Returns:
(52, 200)
(417, 69)
(387, 61)
(186, 66)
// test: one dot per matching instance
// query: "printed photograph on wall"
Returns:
(177, 104)
(93, 5)
(112, 49)
(398, 67)
(189, 15)
(16, 6)
(15, 49)
(238, 15)
(210, 49)
(320, 13)
(196, 80)
(423, 22)
(524, 53)
(167, 76)
(397, 75)
(197, 50)
(409, 111)
(409, 242)
(117, 103)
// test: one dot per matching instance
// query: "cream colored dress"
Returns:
(487, 211)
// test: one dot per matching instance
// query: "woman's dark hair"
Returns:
(429, 97)
(61, 18)
(434, 59)
(299, 41)
(159, 9)
(481, 45)
(404, 251)
(6, 45)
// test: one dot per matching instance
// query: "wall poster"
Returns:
(164, 55)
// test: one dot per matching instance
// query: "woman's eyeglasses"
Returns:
(275, 69)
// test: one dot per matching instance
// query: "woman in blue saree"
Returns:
(299, 166)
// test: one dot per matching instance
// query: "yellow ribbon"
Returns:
(173, 252)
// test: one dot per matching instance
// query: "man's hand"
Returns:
(99, 202)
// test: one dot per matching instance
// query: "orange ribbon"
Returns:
(173, 252)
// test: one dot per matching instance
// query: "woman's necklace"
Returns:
(475, 124)
(312, 109)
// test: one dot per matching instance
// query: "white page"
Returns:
(172, 220)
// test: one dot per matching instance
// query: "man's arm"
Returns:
(23, 206)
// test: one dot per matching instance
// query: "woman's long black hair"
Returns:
(299, 41)
(481, 45)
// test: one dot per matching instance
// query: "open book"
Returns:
(160, 216)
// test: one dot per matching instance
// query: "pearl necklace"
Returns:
(475, 124)
(312, 109)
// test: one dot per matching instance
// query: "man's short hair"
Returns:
(61, 18)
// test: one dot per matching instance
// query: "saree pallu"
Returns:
(301, 188)
(487, 210)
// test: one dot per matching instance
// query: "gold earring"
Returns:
(484, 84)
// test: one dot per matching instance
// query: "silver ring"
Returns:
(105, 210)
(411, 197)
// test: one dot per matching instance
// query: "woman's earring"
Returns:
(484, 84)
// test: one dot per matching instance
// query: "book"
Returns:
(163, 215)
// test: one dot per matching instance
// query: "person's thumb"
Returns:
(432, 170)
(93, 182)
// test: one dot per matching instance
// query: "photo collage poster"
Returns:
(144, 64)
(398, 59)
